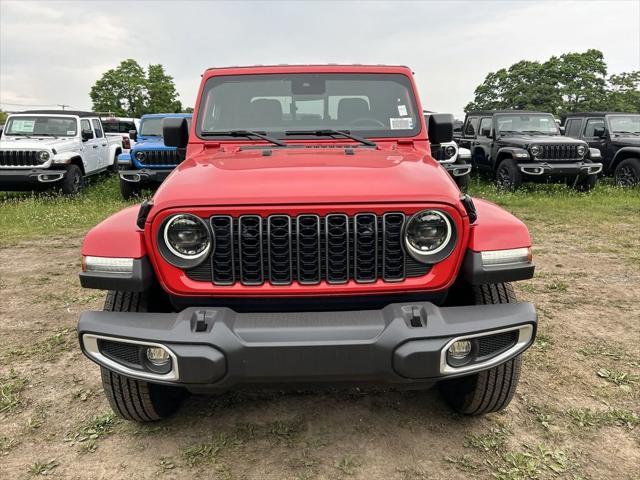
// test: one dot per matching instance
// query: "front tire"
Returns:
(490, 390)
(627, 173)
(508, 175)
(129, 190)
(129, 398)
(585, 184)
(73, 181)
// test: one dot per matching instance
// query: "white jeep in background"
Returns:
(54, 148)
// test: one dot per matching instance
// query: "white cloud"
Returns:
(52, 52)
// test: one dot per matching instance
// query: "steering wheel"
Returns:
(365, 121)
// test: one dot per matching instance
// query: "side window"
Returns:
(472, 127)
(86, 127)
(485, 127)
(97, 127)
(572, 128)
(592, 125)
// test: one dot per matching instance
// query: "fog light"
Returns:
(158, 356)
(460, 349)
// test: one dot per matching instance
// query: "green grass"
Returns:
(35, 215)
(11, 388)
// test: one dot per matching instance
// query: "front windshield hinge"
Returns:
(405, 141)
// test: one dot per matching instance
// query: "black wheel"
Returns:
(73, 181)
(627, 173)
(463, 182)
(490, 390)
(584, 184)
(128, 190)
(508, 176)
(130, 398)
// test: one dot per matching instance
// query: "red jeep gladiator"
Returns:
(307, 238)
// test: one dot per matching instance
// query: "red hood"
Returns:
(297, 176)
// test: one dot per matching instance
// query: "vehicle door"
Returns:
(89, 146)
(468, 133)
(484, 143)
(103, 145)
(595, 134)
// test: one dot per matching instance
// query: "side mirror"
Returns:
(598, 132)
(87, 135)
(486, 132)
(440, 127)
(175, 132)
(133, 135)
(562, 130)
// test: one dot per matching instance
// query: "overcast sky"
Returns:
(53, 52)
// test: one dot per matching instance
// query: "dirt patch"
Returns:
(575, 413)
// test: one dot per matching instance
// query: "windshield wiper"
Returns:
(626, 133)
(510, 132)
(536, 132)
(244, 133)
(332, 133)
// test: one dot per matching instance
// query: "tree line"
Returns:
(569, 83)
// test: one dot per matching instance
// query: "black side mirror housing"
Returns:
(562, 130)
(87, 135)
(440, 127)
(133, 135)
(175, 132)
(486, 132)
(598, 132)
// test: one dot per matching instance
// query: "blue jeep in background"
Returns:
(149, 161)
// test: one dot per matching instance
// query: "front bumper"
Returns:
(560, 169)
(214, 349)
(29, 177)
(145, 175)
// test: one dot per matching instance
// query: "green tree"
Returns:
(569, 83)
(3, 117)
(128, 90)
(161, 91)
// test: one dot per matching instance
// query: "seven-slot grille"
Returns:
(307, 249)
(20, 158)
(559, 152)
(160, 157)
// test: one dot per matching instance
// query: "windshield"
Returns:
(41, 126)
(153, 126)
(625, 123)
(529, 124)
(370, 105)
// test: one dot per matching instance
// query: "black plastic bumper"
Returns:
(458, 169)
(474, 272)
(215, 349)
(29, 177)
(560, 169)
(145, 175)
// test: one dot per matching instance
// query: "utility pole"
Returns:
(63, 105)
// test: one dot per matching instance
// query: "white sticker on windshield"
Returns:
(401, 123)
(402, 110)
(71, 132)
(23, 126)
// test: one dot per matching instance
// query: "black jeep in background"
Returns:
(516, 146)
(616, 136)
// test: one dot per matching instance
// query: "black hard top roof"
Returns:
(599, 114)
(59, 112)
(492, 112)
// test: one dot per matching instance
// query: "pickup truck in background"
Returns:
(616, 136)
(149, 161)
(121, 127)
(54, 148)
(517, 146)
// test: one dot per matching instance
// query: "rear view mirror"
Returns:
(440, 127)
(133, 135)
(598, 132)
(87, 135)
(175, 132)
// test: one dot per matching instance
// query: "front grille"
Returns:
(307, 249)
(168, 158)
(493, 344)
(20, 158)
(559, 152)
(122, 352)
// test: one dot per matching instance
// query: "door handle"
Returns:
(95, 146)
(104, 144)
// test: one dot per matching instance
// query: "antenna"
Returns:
(63, 105)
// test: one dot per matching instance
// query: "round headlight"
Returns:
(187, 236)
(43, 156)
(140, 156)
(582, 150)
(450, 151)
(429, 236)
(535, 150)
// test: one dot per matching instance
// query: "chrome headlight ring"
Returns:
(44, 156)
(169, 250)
(535, 150)
(445, 246)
